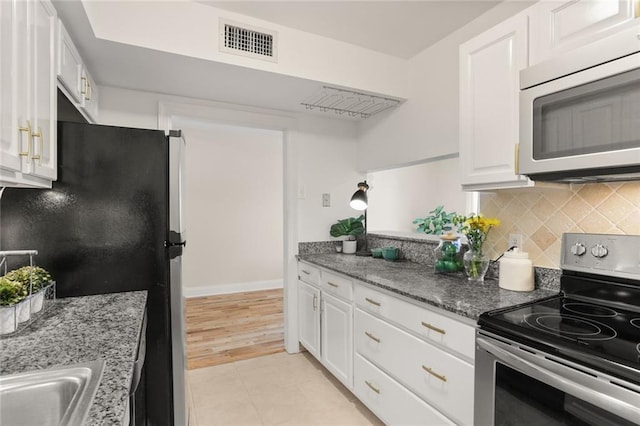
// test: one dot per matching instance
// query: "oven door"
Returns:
(583, 125)
(517, 385)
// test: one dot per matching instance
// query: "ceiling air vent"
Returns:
(248, 41)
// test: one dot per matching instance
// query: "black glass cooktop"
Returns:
(604, 338)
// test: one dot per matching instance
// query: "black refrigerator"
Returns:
(113, 222)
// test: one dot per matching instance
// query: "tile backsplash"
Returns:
(543, 215)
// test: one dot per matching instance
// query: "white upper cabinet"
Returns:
(28, 107)
(69, 65)
(74, 78)
(489, 89)
(559, 26)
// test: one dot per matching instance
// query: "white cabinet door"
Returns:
(489, 88)
(309, 317)
(43, 90)
(69, 65)
(337, 338)
(559, 26)
(28, 105)
(15, 126)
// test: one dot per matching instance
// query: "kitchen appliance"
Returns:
(113, 222)
(571, 359)
(580, 113)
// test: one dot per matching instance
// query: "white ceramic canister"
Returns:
(516, 271)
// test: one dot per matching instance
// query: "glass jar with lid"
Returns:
(448, 256)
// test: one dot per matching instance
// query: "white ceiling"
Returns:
(398, 28)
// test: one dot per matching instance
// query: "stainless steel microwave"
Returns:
(580, 113)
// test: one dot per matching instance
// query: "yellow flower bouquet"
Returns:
(475, 228)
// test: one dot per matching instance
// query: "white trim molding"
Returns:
(216, 289)
(223, 113)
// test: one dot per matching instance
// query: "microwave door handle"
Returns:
(579, 385)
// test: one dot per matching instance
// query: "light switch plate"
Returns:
(326, 200)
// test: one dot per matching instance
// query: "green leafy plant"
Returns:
(351, 227)
(11, 292)
(437, 222)
(36, 276)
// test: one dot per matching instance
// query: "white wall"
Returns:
(234, 205)
(426, 125)
(399, 196)
(325, 152)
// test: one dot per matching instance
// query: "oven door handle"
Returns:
(593, 390)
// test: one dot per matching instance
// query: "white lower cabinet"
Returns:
(389, 400)
(337, 338)
(438, 377)
(411, 365)
(309, 317)
(325, 317)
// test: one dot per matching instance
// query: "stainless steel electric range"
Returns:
(572, 359)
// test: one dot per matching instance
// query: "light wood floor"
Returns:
(232, 327)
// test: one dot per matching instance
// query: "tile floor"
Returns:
(279, 389)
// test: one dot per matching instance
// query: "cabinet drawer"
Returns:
(308, 273)
(389, 400)
(426, 323)
(337, 285)
(441, 379)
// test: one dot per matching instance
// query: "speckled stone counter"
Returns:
(82, 329)
(451, 292)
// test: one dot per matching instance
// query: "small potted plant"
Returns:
(437, 222)
(12, 299)
(35, 281)
(350, 227)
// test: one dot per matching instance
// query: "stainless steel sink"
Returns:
(56, 396)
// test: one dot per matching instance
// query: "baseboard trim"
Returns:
(213, 290)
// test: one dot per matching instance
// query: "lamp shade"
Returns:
(360, 200)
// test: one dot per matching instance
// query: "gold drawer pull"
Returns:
(373, 388)
(434, 328)
(306, 272)
(372, 337)
(332, 284)
(373, 302)
(434, 374)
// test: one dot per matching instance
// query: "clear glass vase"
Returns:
(448, 257)
(475, 265)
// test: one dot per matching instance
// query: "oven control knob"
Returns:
(599, 251)
(578, 249)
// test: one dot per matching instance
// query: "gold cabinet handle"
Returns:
(83, 88)
(25, 129)
(332, 284)
(373, 302)
(38, 135)
(373, 388)
(89, 91)
(434, 374)
(516, 159)
(372, 337)
(315, 302)
(434, 328)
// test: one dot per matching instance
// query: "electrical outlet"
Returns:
(326, 200)
(515, 240)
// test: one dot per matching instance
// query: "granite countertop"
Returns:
(451, 292)
(81, 329)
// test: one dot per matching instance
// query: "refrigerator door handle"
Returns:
(177, 146)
